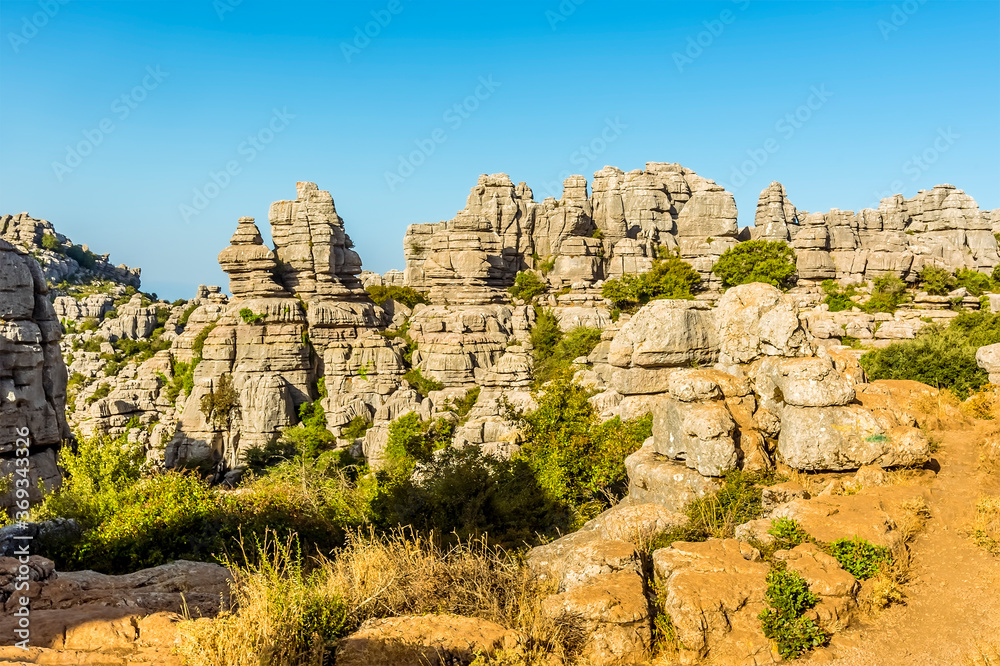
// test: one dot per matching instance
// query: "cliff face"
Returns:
(32, 375)
(941, 226)
(617, 229)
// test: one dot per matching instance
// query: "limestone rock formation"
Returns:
(32, 376)
(53, 250)
(941, 226)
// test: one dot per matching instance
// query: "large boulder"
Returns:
(701, 434)
(666, 333)
(655, 479)
(802, 382)
(713, 592)
(428, 640)
(757, 320)
(988, 358)
(845, 438)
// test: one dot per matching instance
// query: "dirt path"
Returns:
(954, 598)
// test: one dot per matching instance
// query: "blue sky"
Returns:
(843, 102)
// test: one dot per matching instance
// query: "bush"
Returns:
(553, 351)
(888, 293)
(943, 358)
(463, 493)
(52, 244)
(860, 558)
(937, 281)
(770, 262)
(186, 315)
(356, 429)
(836, 298)
(788, 533)
(248, 316)
(422, 385)
(221, 405)
(85, 258)
(527, 285)
(789, 597)
(975, 282)
(575, 457)
(407, 296)
(669, 277)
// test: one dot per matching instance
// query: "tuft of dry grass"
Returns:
(886, 587)
(986, 525)
(984, 653)
(983, 405)
(283, 614)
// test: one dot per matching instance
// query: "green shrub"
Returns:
(787, 533)
(463, 493)
(248, 316)
(975, 282)
(553, 351)
(937, 281)
(356, 429)
(860, 558)
(527, 285)
(888, 293)
(770, 262)
(464, 405)
(943, 358)
(789, 597)
(407, 296)
(186, 315)
(836, 298)
(669, 277)
(423, 385)
(102, 391)
(51, 243)
(576, 458)
(85, 258)
(221, 405)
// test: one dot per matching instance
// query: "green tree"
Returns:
(770, 262)
(669, 277)
(527, 285)
(936, 280)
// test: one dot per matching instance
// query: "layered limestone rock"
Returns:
(941, 226)
(616, 230)
(772, 395)
(56, 252)
(258, 348)
(32, 376)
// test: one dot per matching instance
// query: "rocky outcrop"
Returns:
(32, 378)
(55, 253)
(941, 226)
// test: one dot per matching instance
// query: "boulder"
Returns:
(757, 320)
(666, 333)
(656, 479)
(427, 640)
(845, 438)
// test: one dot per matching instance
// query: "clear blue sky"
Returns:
(888, 81)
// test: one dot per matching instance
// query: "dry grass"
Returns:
(274, 619)
(985, 653)
(983, 405)
(989, 452)
(886, 588)
(986, 525)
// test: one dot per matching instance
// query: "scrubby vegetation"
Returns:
(940, 357)
(423, 385)
(771, 262)
(670, 277)
(527, 285)
(407, 296)
(248, 316)
(986, 524)
(784, 622)
(286, 612)
(553, 351)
